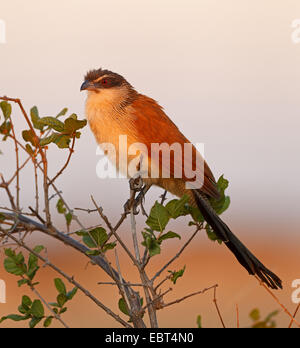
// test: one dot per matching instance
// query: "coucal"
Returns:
(114, 108)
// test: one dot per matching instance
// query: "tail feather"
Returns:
(243, 255)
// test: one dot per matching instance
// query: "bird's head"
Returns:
(107, 85)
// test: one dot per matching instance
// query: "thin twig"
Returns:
(190, 295)
(294, 316)
(71, 151)
(237, 317)
(112, 283)
(217, 307)
(177, 255)
(280, 304)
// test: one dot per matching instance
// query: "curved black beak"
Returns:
(86, 85)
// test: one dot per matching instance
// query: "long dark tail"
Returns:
(243, 255)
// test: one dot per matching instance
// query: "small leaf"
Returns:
(35, 118)
(123, 306)
(72, 293)
(22, 282)
(38, 248)
(62, 112)
(158, 218)
(6, 109)
(37, 309)
(53, 123)
(255, 314)
(93, 252)
(11, 267)
(14, 317)
(72, 125)
(26, 302)
(29, 136)
(176, 275)
(95, 238)
(48, 321)
(199, 322)
(60, 286)
(34, 321)
(108, 246)
(168, 235)
(176, 207)
(69, 218)
(211, 234)
(60, 206)
(63, 310)
(29, 149)
(151, 243)
(61, 299)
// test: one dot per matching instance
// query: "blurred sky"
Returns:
(227, 73)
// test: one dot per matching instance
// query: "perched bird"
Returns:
(114, 108)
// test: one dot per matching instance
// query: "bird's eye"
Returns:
(104, 82)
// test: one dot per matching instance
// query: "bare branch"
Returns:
(217, 307)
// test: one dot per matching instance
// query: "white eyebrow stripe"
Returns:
(100, 78)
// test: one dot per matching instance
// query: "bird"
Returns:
(114, 108)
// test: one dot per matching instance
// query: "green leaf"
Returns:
(29, 136)
(29, 149)
(48, 321)
(60, 206)
(26, 302)
(69, 218)
(5, 129)
(12, 267)
(62, 112)
(109, 246)
(271, 315)
(61, 299)
(176, 207)
(54, 304)
(223, 203)
(95, 238)
(63, 310)
(123, 306)
(255, 314)
(22, 282)
(199, 322)
(176, 275)
(53, 123)
(93, 252)
(211, 234)
(62, 141)
(22, 310)
(14, 317)
(168, 235)
(72, 125)
(72, 293)
(38, 248)
(33, 322)
(60, 286)
(6, 109)
(37, 309)
(151, 243)
(35, 118)
(158, 218)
